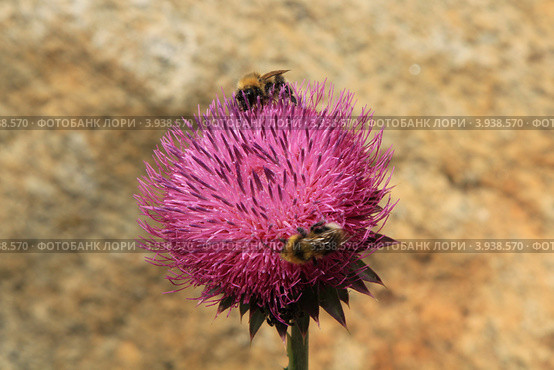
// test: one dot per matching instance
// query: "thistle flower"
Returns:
(225, 192)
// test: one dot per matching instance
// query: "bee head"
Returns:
(293, 240)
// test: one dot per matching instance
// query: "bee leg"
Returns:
(314, 260)
(274, 89)
(241, 99)
(316, 226)
(302, 232)
(289, 93)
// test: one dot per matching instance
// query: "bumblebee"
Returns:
(322, 239)
(267, 86)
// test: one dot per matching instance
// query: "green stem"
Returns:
(297, 349)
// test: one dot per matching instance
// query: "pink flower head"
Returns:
(227, 192)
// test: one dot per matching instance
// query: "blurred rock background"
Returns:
(144, 57)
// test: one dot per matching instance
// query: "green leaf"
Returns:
(243, 308)
(358, 285)
(343, 295)
(282, 330)
(365, 272)
(225, 303)
(211, 291)
(329, 300)
(382, 240)
(303, 323)
(257, 318)
(309, 303)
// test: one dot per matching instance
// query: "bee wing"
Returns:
(274, 73)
